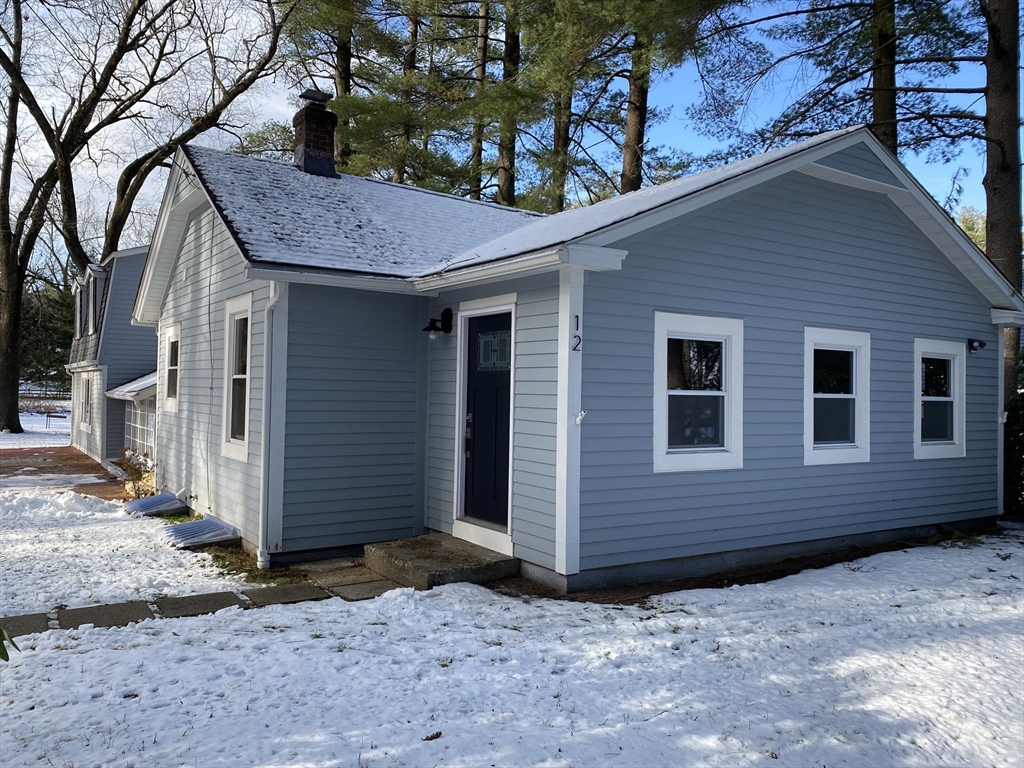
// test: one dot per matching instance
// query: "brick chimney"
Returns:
(314, 134)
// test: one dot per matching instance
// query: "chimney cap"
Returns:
(316, 96)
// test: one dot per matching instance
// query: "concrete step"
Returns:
(429, 561)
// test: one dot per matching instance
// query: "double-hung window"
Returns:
(698, 393)
(837, 403)
(236, 377)
(939, 399)
(85, 403)
(172, 366)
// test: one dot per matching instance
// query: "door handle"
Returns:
(469, 432)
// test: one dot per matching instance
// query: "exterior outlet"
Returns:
(314, 139)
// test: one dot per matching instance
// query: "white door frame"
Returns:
(463, 528)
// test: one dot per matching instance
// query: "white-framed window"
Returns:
(92, 289)
(79, 308)
(940, 399)
(837, 396)
(698, 393)
(237, 313)
(85, 403)
(172, 366)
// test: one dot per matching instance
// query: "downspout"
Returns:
(263, 546)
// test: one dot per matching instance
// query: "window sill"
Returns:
(234, 449)
(840, 454)
(171, 404)
(698, 461)
(939, 451)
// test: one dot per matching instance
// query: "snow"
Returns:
(130, 390)
(903, 658)
(282, 215)
(37, 434)
(73, 550)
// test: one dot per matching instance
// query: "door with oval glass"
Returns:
(488, 403)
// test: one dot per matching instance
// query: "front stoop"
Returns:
(429, 561)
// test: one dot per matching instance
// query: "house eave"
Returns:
(1013, 318)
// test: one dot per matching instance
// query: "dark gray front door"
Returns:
(488, 390)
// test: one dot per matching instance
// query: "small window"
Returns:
(172, 367)
(939, 399)
(85, 403)
(79, 309)
(837, 382)
(698, 393)
(236, 377)
(94, 304)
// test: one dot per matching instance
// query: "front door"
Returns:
(488, 389)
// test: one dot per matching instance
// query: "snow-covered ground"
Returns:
(37, 434)
(903, 658)
(73, 550)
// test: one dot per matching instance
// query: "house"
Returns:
(111, 406)
(792, 353)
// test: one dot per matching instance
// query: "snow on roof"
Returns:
(132, 389)
(282, 215)
(578, 222)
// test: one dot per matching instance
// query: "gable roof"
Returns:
(281, 215)
(376, 235)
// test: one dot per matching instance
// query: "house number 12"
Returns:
(577, 339)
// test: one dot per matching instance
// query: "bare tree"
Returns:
(114, 83)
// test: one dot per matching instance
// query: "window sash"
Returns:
(173, 355)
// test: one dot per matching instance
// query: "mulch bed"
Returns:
(63, 461)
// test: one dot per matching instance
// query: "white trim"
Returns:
(85, 405)
(956, 353)
(482, 536)
(859, 343)
(169, 333)
(276, 362)
(493, 305)
(729, 331)
(1007, 317)
(567, 430)
(236, 308)
(1001, 415)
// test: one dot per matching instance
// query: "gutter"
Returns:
(263, 543)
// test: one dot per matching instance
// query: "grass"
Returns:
(237, 561)
(183, 518)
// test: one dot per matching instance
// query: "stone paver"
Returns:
(29, 624)
(365, 590)
(428, 561)
(196, 605)
(344, 576)
(117, 615)
(285, 593)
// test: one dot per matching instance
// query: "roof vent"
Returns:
(314, 134)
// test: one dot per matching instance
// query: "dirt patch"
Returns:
(236, 560)
(637, 594)
(62, 461)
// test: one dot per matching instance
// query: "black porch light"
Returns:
(444, 325)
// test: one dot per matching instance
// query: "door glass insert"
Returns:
(495, 351)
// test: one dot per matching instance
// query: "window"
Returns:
(85, 403)
(940, 398)
(172, 366)
(698, 393)
(837, 389)
(236, 377)
(79, 308)
(94, 304)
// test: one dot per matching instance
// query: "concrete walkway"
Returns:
(346, 578)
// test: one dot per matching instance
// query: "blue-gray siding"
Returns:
(794, 253)
(861, 161)
(128, 351)
(356, 363)
(533, 457)
(89, 439)
(209, 271)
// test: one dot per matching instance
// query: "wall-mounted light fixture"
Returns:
(444, 325)
(973, 345)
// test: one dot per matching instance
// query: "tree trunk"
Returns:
(408, 73)
(1002, 169)
(12, 283)
(883, 78)
(476, 154)
(343, 88)
(562, 112)
(636, 116)
(509, 119)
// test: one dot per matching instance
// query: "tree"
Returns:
(108, 83)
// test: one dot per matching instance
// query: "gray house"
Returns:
(110, 407)
(795, 352)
